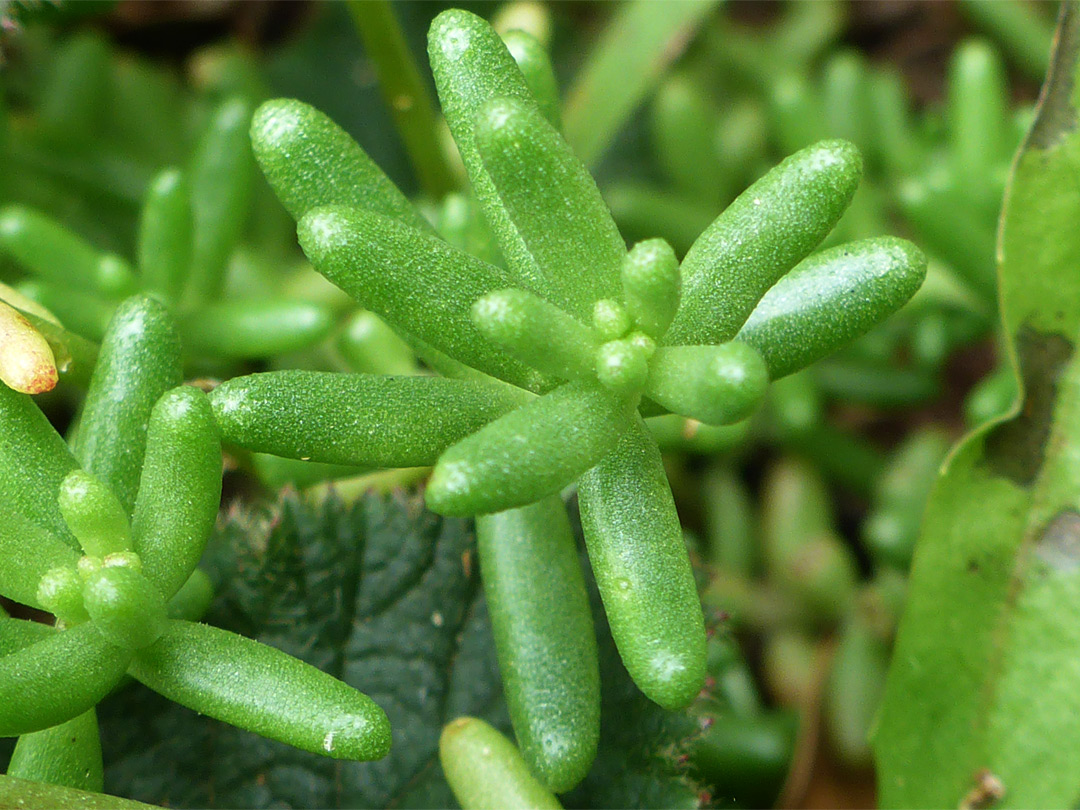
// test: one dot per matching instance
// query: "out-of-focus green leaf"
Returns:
(981, 704)
(642, 38)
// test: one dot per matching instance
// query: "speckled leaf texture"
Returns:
(386, 596)
(982, 704)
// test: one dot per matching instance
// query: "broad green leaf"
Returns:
(553, 202)
(982, 687)
(414, 281)
(642, 38)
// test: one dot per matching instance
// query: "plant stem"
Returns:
(403, 88)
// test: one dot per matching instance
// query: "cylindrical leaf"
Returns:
(221, 175)
(684, 122)
(180, 488)
(830, 299)
(718, 385)
(978, 135)
(261, 689)
(253, 329)
(360, 419)
(165, 236)
(94, 514)
(33, 461)
(367, 344)
(770, 227)
(530, 453)
(485, 770)
(537, 333)
(553, 202)
(68, 754)
(57, 679)
(544, 638)
(49, 250)
(414, 281)
(311, 162)
(139, 361)
(535, 65)
(643, 571)
(30, 795)
(651, 284)
(472, 66)
(27, 553)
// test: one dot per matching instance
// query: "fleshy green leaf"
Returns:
(642, 570)
(33, 462)
(414, 281)
(48, 249)
(68, 755)
(765, 232)
(56, 679)
(830, 299)
(537, 333)
(981, 685)
(553, 202)
(311, 162)
(485, 769)
(165, 236)
(30, 795)
(139, 361)
(253, 329)
(262, 689)
(529, 453)
(179, 489)
(221, 174)
(544, 638)
(535, 65)
(472, 66)
(331, 417)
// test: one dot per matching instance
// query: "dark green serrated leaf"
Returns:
(386, 596)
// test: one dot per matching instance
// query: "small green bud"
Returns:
(94, 514)
(128, 610)
(60, 592)
(718, 385)
(123, 559)
(651, 284)
(622, 366)
(88, 566)
(610, 319)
